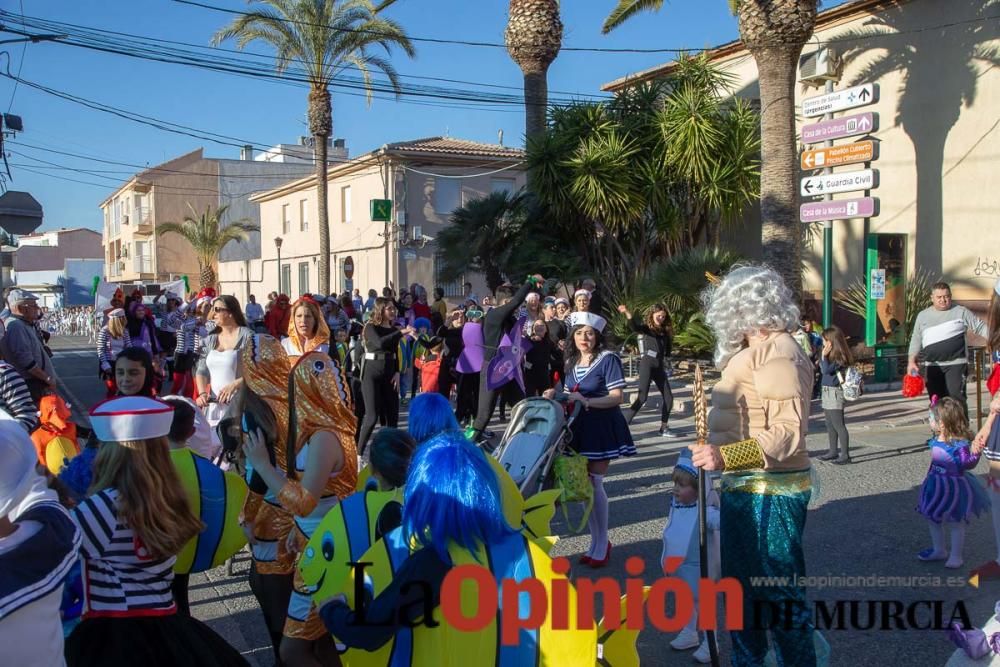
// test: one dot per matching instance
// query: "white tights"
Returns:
(598, 520)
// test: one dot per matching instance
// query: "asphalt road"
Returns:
(865, 527)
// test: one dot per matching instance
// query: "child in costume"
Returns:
(134, 373)
(428, 362)
(681, 540)
(130, 617)
(430, 414)
(112, 339)
(216, 496)
(38, 548)
(391, 451)
(950, 493)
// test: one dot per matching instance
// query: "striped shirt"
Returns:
(108, 346)
(190, 335)
(172, 321)
(15, 399)
(939, 335)
(119, 578)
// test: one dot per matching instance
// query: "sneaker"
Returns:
(669, 433)
(931, 555)
(687, 639)
(703, 654)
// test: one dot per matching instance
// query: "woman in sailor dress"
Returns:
(595, 378)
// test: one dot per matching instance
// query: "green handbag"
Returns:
(573, 481)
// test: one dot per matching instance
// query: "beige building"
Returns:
(424, 179)
(135, 254)
(938, 138)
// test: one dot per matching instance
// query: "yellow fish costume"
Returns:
(217, 498)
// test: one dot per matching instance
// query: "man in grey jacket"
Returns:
(22, 345)
(939, 338)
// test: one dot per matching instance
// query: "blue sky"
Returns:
(265, 112)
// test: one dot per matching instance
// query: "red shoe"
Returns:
(990, 570)
(594, 563)
(585, 560)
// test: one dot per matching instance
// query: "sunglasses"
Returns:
(220, 310)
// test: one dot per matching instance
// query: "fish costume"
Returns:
(55, 439)
(319, 400)
(217, 498)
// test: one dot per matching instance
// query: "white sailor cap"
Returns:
(117, 312)
(589, 319)
(131, 418)
(582, 291)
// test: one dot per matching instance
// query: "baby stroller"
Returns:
(537, 433)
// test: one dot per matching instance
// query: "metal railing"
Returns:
(142, 264)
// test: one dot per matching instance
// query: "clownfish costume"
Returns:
(55, 439)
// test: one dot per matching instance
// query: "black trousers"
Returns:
(179, 587)
(948, 381)
(468, 396)
(446, 378)
(272, 592)
(650, 374)
(511, 392)
(381, 403)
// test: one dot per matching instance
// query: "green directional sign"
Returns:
(381, 210)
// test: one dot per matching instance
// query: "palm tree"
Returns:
(481, 237)
(208, 236)
(774, 31)
(534, 37)
(325, 37)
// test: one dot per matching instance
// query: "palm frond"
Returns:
(626, 9)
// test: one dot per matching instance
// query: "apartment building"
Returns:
(53, 264)
(424, 181)
(135, 254)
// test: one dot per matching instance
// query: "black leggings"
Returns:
(179, 587)
(468, 396)
(272, 592)
(648, 373)
(381, 403)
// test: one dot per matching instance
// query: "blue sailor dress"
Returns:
(600, 434)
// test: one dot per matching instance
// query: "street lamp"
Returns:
(277, 244)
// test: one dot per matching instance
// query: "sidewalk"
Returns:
(886, 408)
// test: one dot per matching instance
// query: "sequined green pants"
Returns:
(762, 538)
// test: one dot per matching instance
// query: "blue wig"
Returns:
(452, 496)
(79, 472)
(422, 323)
(430, 414)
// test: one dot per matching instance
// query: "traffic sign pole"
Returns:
(828, 240)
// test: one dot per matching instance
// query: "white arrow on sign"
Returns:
(828, 184)
(849, 98)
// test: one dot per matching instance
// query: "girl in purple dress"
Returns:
(950, 493)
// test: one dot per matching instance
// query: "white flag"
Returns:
(105, 292)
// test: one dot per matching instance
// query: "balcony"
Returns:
(143, 264)
(141, 219)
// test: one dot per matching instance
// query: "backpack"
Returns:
(852, 382)
(570, 471)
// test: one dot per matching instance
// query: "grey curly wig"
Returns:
(749, 299)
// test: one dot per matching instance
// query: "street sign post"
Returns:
(839, 209)
(849, 98)
(828, 184)
(839, 128)
(835, 156)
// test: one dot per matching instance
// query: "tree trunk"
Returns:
(321, 126)
(207, 276)
(536, 102)
(779, 197)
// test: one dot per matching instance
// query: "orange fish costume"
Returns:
(311, 397)
(55, 440)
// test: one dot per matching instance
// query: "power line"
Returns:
(20, 64)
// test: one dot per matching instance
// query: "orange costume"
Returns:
(307, 398)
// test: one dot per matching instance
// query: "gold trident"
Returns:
(700, 407)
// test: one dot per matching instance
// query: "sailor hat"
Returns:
(588, 319)
(131, 418)
(684, 462)
(584, 292)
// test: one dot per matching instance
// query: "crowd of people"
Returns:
(227, 425)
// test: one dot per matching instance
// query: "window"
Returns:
(286, 279)
(453, 288)
(345, 203)
(447, 195)
(286, 224)
(303, 215)
(502, 185)
(303, 277)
